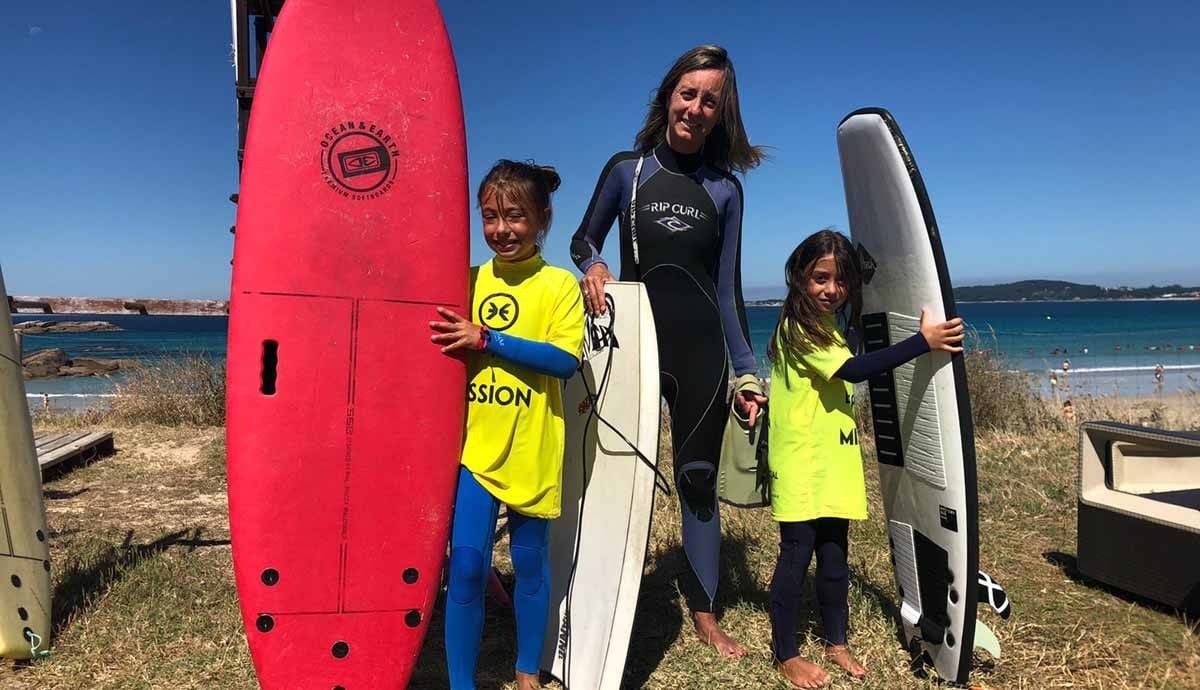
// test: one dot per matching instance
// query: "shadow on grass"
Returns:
(919, 663)
(657, 624)
(1070, 567)
(56, 495)
(660, 619)
(84, 580)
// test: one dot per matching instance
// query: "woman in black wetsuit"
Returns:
(680, 211)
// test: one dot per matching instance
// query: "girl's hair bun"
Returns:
(550, 176)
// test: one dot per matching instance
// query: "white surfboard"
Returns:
(921, 411)
(24, 554)
(598, 545)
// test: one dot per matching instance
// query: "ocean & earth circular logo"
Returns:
(358, 160)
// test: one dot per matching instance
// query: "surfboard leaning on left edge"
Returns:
(24, 554)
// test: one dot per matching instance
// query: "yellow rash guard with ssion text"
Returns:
(514, 433)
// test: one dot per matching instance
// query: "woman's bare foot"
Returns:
(710, 631)
(528, 681)
(802, 674)
(840, 655)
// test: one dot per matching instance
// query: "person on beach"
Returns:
(523, 338)
(817, 483)
(1158, 377)
(1068, 411)
(680, 211)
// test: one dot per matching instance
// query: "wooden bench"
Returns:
(55, 448)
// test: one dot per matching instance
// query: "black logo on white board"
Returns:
(866, 264)
(948, 518)
(600, 330)
(358, 159)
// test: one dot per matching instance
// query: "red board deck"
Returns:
(344, 421)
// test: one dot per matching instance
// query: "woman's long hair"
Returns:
(801, 327)
(726, 147)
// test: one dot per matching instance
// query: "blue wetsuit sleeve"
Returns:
(535, 355)
(865, 366)
(729, 285)
(605, 206)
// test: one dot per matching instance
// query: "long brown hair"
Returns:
(801, 327)
(727, 146)
(527, 184)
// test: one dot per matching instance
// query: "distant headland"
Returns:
(1060, 290)
(1048, 291)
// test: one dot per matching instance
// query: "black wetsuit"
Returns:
(688, 255)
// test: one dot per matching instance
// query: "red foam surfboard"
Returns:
(344, 421)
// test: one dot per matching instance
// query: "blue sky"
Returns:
(1058, 140)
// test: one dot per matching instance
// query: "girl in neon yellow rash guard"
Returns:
(817, 483)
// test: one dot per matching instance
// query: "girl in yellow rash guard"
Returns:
(522, 339)
(817, 483)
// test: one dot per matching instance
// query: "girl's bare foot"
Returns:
(802, 674)
(528, 681)
(840, 655)
(710, 631)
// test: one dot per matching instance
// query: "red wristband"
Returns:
(484, 337)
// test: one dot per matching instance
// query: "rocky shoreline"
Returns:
(56, 362)
(40, 327)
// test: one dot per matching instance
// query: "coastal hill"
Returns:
(1048, 290)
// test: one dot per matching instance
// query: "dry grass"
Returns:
(143, 590)
(188, 390)
(1003, 400)
(144, 594)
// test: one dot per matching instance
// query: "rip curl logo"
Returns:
(674, 222)
(675, 209)
(498, 311)
(358, 160)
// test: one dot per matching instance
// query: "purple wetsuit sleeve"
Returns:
(729, 284)
(865, 366)
(605, 206)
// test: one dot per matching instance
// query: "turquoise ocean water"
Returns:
(1112, 347)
